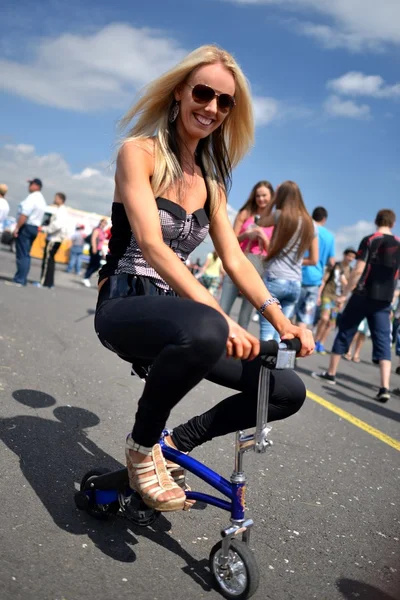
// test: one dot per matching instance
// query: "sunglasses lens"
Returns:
(202, 94)
(225, 102)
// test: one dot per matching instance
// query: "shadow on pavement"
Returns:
(90, 312)
(337, 392)
(6, 278)
(350, 379)
(10, 278)
(341, 377)
(350, 589)
(376, 408)
(54, 455)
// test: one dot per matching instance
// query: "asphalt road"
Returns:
(324, 498)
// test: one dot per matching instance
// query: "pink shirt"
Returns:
(252, 246)
(101, 236)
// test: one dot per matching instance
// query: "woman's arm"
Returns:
(313, 255)
(246, 278)
(135, 165)
(269, 218)
(240, 219)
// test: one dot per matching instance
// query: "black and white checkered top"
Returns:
(181, 231)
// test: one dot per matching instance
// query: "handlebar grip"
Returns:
(271, 347)
(293, 344)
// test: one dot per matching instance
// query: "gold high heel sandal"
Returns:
(161, 478)
(178, 474)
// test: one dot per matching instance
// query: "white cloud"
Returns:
(350, 236)
(356, 83)
(332, 37)
(354, 24)
(91, 189)
(337, 107)
(101, 70)
(94, 71)
(265, 110)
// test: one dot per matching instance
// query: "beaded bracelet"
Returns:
(268, 303)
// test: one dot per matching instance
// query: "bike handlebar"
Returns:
(271, 347)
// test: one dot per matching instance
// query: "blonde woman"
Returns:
(210, 273)
(190, 128)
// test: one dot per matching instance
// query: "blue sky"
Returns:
(325, 76)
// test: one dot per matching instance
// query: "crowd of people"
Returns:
(183, 137)
(34, 216)
(295, 254)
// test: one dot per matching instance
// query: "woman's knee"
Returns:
(293, 392)
(207, 334)
(297, 391)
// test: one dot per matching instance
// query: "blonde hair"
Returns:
(217, 154)
(3, 189)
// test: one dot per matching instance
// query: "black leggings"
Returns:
(185, 342)
(49, 264)
(94, 264)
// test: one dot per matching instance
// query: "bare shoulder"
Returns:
(140, 151)
(242, 216)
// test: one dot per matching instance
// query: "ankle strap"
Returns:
(132, 445)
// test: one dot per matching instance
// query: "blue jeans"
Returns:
(307, 304)
(75, 259)
(230, 292)
(94, 264)
(228, 296)
(377, 313)
(26, 236)
(287, 291)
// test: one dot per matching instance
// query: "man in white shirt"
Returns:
(4, 206)
(57, 231)
(30, 216)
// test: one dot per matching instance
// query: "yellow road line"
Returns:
(357, 422)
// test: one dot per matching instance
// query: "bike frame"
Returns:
(109, 486)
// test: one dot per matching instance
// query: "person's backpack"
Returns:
(88, 239)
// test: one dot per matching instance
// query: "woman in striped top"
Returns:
(191, 126)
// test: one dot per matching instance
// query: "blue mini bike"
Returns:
(232, 563)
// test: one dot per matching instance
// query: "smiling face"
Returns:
(263, 196)
(197, 121)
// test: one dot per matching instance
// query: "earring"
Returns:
(174, 113)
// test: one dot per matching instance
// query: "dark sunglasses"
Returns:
(204, 94)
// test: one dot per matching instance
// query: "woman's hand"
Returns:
(256, 234)
(240, 343)
(304, 335)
